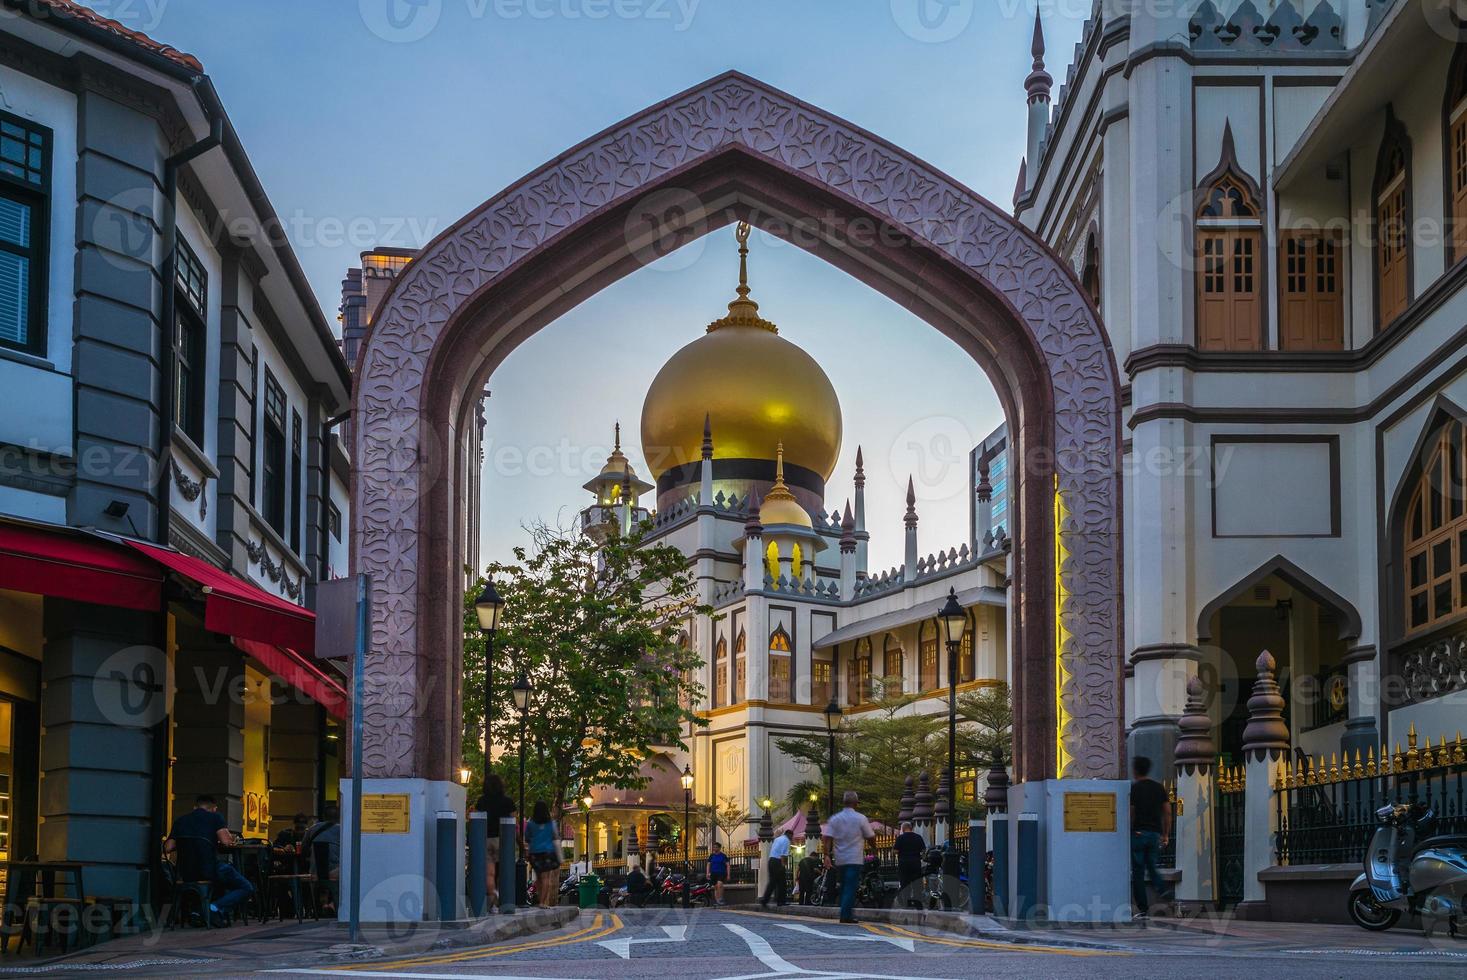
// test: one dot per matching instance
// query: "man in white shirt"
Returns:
(846, 834)
(779, 852)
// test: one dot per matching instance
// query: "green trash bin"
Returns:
(590, 889)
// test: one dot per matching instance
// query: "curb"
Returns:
(444, 936)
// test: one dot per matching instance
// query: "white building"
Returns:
(1267, 204)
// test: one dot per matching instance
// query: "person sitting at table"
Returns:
(327, 831)
(205, 822)
(287, 845)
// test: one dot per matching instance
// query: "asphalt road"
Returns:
(723, 945)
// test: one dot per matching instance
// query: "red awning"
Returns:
(238, 608)
(299, 673)
(68, 565)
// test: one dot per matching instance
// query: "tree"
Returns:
(725, 815)
(595, 629)
(989, 732)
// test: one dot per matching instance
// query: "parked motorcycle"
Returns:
(1428, 878)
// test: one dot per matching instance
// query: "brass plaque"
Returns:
(1090, 813)
(385, 813)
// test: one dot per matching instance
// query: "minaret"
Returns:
(862, 536)
(911, 522)
(618, 490)
(707, 519)
(1037, 87)
(848, 555)
(705, 485)
(753, 548)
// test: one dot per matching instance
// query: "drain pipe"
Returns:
(163, 489)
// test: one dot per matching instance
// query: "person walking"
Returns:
(717, 871)
(909, 847)
(541, 843)
(496, 805)
(779, 852)
(846, 834)
(1151, 827)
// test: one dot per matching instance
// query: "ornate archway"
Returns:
(735, 149)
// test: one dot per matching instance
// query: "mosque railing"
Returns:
(1326, 811)
(1434, 666)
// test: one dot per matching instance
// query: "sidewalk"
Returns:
(1191, 936)
(196, 950)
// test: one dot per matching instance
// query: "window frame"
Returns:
(190, 341)
(892, 647)
(781, 653)
(1448, 440)
(297, 480)
(1237, 233)
(1312, 298)
(720, 673)
(35, 195)
(1394, 141)
(1454, 155)
(273, 485)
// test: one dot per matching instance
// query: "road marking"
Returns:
(906, 944)
(414, 976)
(596, 930)
(623, 947)
(781, 967)
(885, 928)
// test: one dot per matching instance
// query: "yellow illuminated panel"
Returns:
(1061, 675)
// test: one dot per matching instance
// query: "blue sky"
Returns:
(383, 121)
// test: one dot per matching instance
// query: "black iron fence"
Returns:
(1228, 829)
(1326, 812)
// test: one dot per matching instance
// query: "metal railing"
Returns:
(1326, 812)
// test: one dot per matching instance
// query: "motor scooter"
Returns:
(1428, 878)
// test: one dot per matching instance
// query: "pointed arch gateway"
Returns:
(734, 149)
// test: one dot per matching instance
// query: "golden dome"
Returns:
(758, 389)
(780, 506)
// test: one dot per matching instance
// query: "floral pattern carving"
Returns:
(634, 158)
(190, 489)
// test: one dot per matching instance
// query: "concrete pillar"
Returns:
(1193, 824)
(104, 711)
(1266, 755)
(208, 717)
(1362, 734)
(295, 748)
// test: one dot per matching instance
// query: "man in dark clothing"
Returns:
(807, 870)
(284, 851)
(909, 847)
(205, 823)
(1151, 827)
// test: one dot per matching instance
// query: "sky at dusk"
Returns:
(383, 121)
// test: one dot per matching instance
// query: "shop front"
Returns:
(134, 678)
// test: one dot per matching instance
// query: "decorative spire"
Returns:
(707, 435)
(860, 469)
(908, 798)
(743, 311)
(752, 527)
(617, 448)
(922, 800)
(942, 807)
(847, 531)
(984, 488)
(911, 518)
(1265, 732)
(996, 796)
(1039, 81)
(779, 491)
(1195, 750)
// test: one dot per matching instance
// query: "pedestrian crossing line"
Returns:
(598, 929)
(893, 930)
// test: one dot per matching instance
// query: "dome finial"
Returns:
(743, 311)
(617, 447)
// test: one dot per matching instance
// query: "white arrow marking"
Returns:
(905, 944)
(623, 947)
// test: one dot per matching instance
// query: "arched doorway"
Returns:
(735, 149)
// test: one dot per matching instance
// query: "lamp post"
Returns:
(522, 690)
(587, 801)
(687, 781)
(488, 607)
(833, 718)
(954, 621)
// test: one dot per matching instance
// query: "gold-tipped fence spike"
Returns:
(1459, 756)
(1370, 762)
(1334, 767)
(1359, 765)
(1411, 736)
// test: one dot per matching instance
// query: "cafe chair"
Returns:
(321, 880)
(291, 886)
(42, 900)
(193, 879)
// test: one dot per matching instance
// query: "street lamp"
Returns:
(488, 607)
(687, 781)
(522, 690)
(587, 801)
(833, 718)
(954, 621)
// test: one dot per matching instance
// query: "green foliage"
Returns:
(989, 732)
(595, 629)
(726, 816)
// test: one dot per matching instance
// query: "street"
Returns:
(727, 945)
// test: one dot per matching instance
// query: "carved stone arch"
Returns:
(1393, 533)
(734, 149)
(1349, 616)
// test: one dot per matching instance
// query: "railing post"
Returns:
(1193, 824)
(1265, 754)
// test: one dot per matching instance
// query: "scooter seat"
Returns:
(1455, 841)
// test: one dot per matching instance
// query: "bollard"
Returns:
(998, 843)
(977, 843)
(446, 847)
(506, 854)
(1026, 859)
(478, 890)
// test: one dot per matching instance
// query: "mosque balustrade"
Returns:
(674, 513)
(887, 581)
(952, 560)
(1326, 812)
(598, 515)
(1434, 665)
(815, 589)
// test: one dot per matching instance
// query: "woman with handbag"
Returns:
(543, 844)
